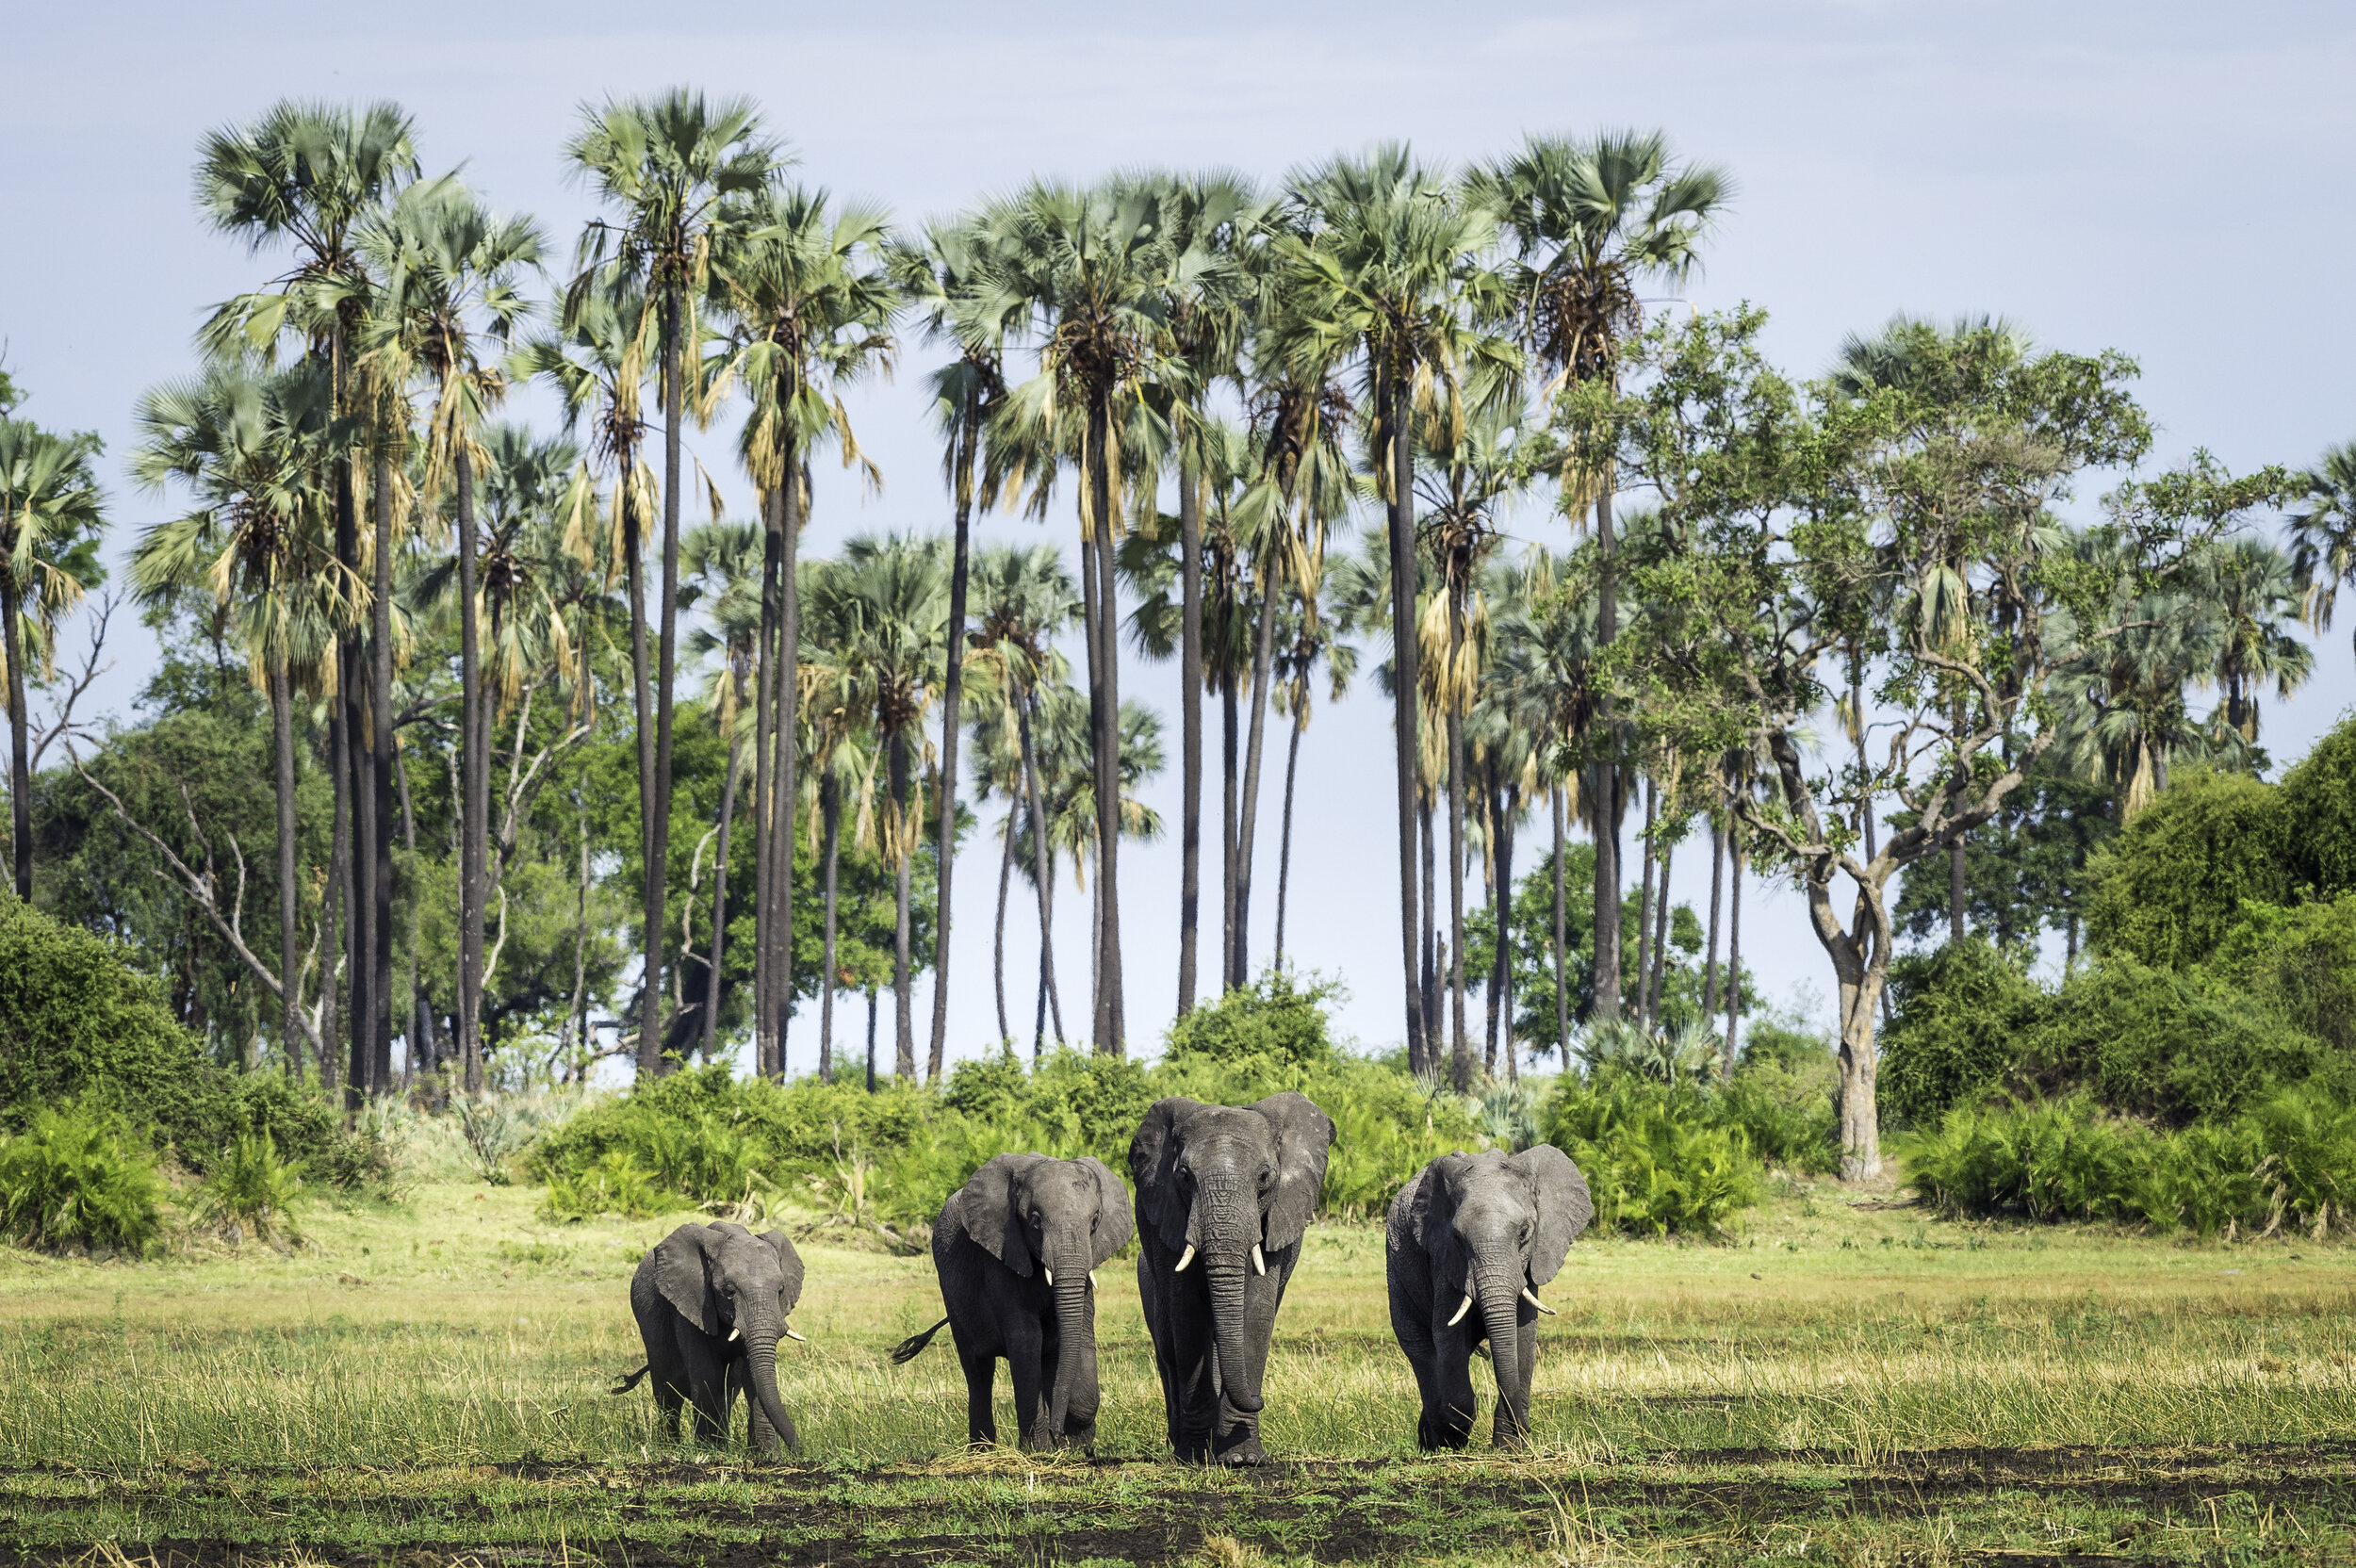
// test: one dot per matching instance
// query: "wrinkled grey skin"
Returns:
(712, 1303)
(1222, 1178)
(1491, 1226)
(1014, 1247)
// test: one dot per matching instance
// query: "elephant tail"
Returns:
(913, 1346)
(624, 1384)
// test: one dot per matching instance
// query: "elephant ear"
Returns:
(1564, 1206)
(1303, 1135)
(1114, 1224)
(789, 1270)
(1153, 1166)
(682, 1272)
(985, 1209)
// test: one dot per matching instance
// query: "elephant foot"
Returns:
(1078, 1437)
(1243, 1452)
(1441, 1433)
(1193, 1450)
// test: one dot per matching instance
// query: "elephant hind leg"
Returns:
(981, 1421)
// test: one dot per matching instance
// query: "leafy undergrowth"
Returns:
(2282, 1502)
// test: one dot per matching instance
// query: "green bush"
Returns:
(1276, 1020)
(2288, 1160)
(2319, 795)
(613, 1183)
(76, 1177)
(1963, 1013)
(2299, 964)
(251, 1191)
(2152, 1042)
(1656, 1160)
(2170, 887)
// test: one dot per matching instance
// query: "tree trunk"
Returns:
(764, 783)
(903, 1014)
(667, 662)
(1431, 957)
(477, 818)
(1644, 901)
(1402, 538)
(1263, 649)
(20, 744)
(1957, 890)
(784, 768)
(945, 847)
(1607, 791)
(998, 962)
(871, 1040)
(1112, 1023)
(1460, 1045)
(1231, 804)
(1734, 946)
(419, 1039)
(1562, 971)
(1284, 834)
(1657, 975)
(1860, 1128)
(335, 898)
(720, 902)
(1505, 930)
(1042, 865)
(1190, 727)
(290, 945)
(649, 1058)
(830, 816)
(577, 1012)
(1490, 989)
(1710, 967)
(382, 747)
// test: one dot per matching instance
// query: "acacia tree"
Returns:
(665, 165)
(1786, 505)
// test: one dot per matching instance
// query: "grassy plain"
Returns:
(424, 1384)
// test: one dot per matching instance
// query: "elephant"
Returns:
(1482, 1231)
(1017, 1248)
(1224, 1194)
(712, 1303)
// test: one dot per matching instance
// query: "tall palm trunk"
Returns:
(1710, 965)
(785, 768)
(383, 754)
(1404, 696)
(720, 900)
(1645, 899)
(1231, 803)
(998, 948)
(1430, 938)
(576, 1010)
(1460, 1044)
(642, 696)
(289, 951)
(830, 815)
(355, 856)
(945, 845)
(475, 777)
(336, 896)
(1734, 945)
(1190, 727)
(764, 783)
(1562, 970)
(1042, 865)
(1284, 834)
(1500, 914)
(1606, 789)
(1262, 648)
(1505, 928)
(871, 1040)
(20, 776)
(667, 660)
(903, 1016)
(418, 1048)
(1658, 973)
(1104, 705)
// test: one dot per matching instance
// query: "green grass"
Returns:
(1840, 1383)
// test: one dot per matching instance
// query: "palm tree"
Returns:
(1590, 223)
(1089, 270)
(449, 270)
(667, 165)
(2253, 590)
(879, 623)
(1308, 639)
(2323, 533)
(50, 516)
(252, 448)
(1377, 263)
(312, 176)
(725, 563)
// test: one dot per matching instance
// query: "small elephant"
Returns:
(1478, 1232)
(1225, 1194)
(712, 1303)
(1015, 1249)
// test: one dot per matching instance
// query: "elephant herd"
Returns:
(1225, 1195)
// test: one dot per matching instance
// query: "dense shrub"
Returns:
(2154, 1042)
(2299, 964)
(251, 1192)
(2287, 1160)
(1963, 1014)
(77, 1177)
(2320, 797)
(2171, 885)
(1783, 1107)
(1657, 1158)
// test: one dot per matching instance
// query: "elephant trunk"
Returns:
(1074, 1405)
(1500, 1301)
(1226, 1274)
(761, 1375)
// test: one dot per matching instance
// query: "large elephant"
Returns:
(1225, 1194)
(1015, 1249)
(712, 1303)
(1470, 1242)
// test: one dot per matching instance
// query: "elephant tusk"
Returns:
(791, 1334)
(1531, 1296)
(1092, 1279)
(734, 1334)
(1465, 1307)
(1185, 1259)
(1259, 1264)
(1051, 1275)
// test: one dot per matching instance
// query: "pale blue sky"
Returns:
(2172, 180)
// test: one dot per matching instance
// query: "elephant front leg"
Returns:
(1194, 1399)
(1448, 1421)
(1027, 1361)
